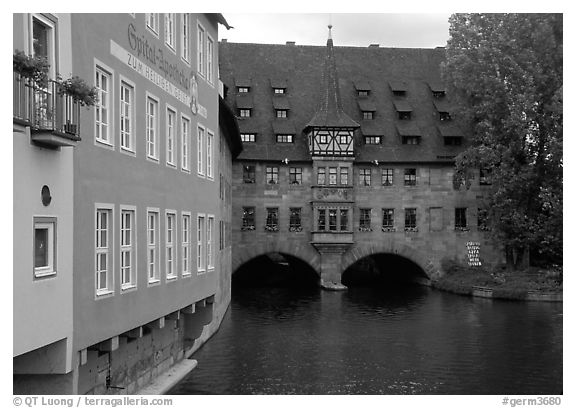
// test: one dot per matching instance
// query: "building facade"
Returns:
(150, 265)
(349, 152)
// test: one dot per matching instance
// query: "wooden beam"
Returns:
(174, 315)
(134, 333)
(190, 309)
(111, 344)
(83, 356)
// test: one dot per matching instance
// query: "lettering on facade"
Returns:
(147, 72)
(473, 253)
(332, 194)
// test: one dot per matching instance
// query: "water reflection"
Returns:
(403, 340)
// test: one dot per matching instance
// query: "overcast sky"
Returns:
(388, 30)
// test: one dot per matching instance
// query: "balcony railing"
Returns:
(53, 117)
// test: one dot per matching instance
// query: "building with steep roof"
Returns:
(348, 151)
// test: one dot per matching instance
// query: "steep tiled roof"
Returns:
(301, 67)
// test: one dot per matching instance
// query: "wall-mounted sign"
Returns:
(473, 253)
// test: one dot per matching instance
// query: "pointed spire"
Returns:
(330, 112)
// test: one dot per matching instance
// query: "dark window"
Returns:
(410, 140)
(387, 218)
(248, 219)
(284, 138)
(404, 115)
(372, 139)
(438, 94)
(344, 219)
(333, 176)
(410, 218)
(409, 177)
(295, 220)
(344, 176)
(445, 116)
(452, 141)
(271, 175)
(249, 174)
(363, 93)
(321, 176)
(367, 115)
(387, 177)
(332, 219)
(485, 177)
(272, 219)
(248, 137)
(365, 177)
(460, 218)
(321, 220)
(365, 219)
(399, 93)
(281, 113)
(295, 175)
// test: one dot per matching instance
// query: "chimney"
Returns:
(224, 40)
(290, 42)
(374, 46)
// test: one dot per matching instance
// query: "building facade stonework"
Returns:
(348, 152)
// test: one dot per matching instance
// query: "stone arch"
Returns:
(245, 253)
(429, 265)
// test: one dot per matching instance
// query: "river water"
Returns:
(405, 340)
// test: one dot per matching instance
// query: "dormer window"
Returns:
(281, 113)
(411, 140)
(243, 89)
(279, 91)
(367, 115)
(404, 115)
(363, 88)
(248, 137)
(284, 138)
(445, 116)
(363, 94)
(372, 140)
(453, 141)
(245, 113)
(438, 94)
(398, 88)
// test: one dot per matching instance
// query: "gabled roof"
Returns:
(243, 82)
(278, 83)
(407, 128)
(449, 130)
(442, 105)
(398, 86)
(437, 86)
(362, 85)
(302, 69)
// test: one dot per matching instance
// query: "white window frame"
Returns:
(152, 155)
(108, 141)
(185, 37)
(201, 53)
(51, 25)
(170, 246)
(186, 244)
(209, 59)
(210, 242)
(200, 239)
(201, 132)
(171, 151)
(152, 23)
(185, 140)
(128, 249)
(131, 147)
(108, 250)
(210, 154)
(49, 224)
(170, 31)
(153, 246)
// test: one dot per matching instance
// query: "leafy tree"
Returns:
(505, 71)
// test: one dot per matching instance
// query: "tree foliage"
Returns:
(505, 71)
